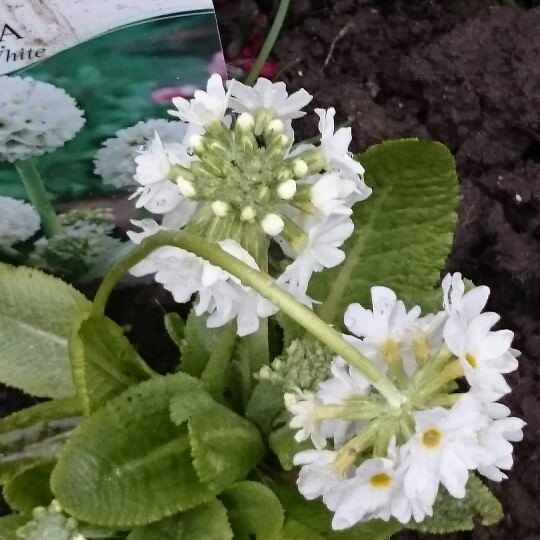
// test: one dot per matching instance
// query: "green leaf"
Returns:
(206, 522)
(131, 446)
(283, 444)
(104, 363)
(166, 529)
(293, 530)
(450, 514)
(254, 511)
(224, 446)
(403, 232)
(175, 326)
(9, 525)
(315, 516)
(37, 312)
(265, 405)
(198, 344)
(215, 374)
(30, 488)
(29, 436)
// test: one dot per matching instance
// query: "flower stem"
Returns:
(260, 282)
(37, 194)
(269, 43)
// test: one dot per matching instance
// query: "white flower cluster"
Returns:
(18, 221)
(389, 461)
(35, 118)
(115, 161)
(236, 177)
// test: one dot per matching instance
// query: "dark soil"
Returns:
(464, 72)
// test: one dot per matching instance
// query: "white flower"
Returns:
(157, 193)
(336, 145)
(206, 107)
(484, 355)
(322, 251)
(496, 438)
(346, 383)
(443, 450)
(18, 221)
(335, 193)
(369, 494)
(457, 302)
(386, 331)
(303, 406)
(35, 118)
(318, 473)
(426, 337)
(115, 161)
(270, 96)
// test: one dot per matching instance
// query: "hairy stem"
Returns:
(260, 282)
(37, 194)
(269, 43)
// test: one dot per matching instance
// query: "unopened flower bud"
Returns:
(185, 187)
(220, 208)
(197, 143)
(276, 126)
(287, 189)
(272, 224)
(300, 168)
(245, 121)
(247, 214)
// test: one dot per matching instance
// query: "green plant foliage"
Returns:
(9, 526)
(283, 444)
(224, 446)
(265, 405)
(130, 445)
(175, 326)
(36, 316)
(403, 232)
(198, 344)
(292, 530)
(30, 488)
(103, 361)
(32, 435)
(314, 516)
(450, 514)
(166, 529)
(49, 523)
(205, 522)
(255, 513)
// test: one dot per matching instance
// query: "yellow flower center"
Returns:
(380, 480)
(471, 359)
(431, 438)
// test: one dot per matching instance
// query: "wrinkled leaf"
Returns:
(37, 312)
(205, 522)
(255, 513)
(30, 488)
(283, 444)
(175, 326)
(265, 405)
(9, 526)
(224, 446)
(450, 515)
(293, 530)
(403, 232)
(131, 446)
(104, 363)
(166, 529)
(198, 344)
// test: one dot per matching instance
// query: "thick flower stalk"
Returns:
(237, 179)
(374, 460)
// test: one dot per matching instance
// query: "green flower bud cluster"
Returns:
(303, 365)
(50, 524)
(83, 243)
(244, 177)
